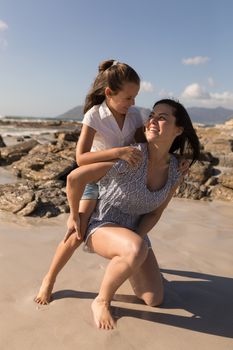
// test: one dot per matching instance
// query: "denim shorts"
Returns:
(91, 191)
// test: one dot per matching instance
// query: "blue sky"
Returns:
(50, 51)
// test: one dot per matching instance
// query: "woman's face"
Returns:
(162, 125)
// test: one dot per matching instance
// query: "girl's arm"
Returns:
(84, 156)
(76, 182)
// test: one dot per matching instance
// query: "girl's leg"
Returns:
(63, 253)
(147, 281)
(127, 252)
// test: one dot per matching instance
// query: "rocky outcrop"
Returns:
(42, 171)
(12, 153)
(68, 136)
(2, 143)
(35, 199)
(47, 162)
(212, 178)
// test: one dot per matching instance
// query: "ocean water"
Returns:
(6, 131)
(12, 134)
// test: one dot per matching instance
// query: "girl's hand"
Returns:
(131, 155)
(73, 226)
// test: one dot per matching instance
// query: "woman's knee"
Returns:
(154, 299)
(137, 250)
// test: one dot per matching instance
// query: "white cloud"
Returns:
(196, 95)
(146, 86)
(195, 91)
(166, 94)
(3, 41)
(195, 60)
(3, 26)
(224, 97)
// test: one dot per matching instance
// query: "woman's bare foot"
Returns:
(102, 315)
(44, 295)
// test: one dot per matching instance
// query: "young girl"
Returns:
(110, 125)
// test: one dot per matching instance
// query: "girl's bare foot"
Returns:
(44, 295)
(102, 315)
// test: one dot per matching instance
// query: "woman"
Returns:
(131, 202)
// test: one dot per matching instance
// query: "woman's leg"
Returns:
(127, 252)
(147, 281)
(64, 252)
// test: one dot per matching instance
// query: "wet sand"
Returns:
(193, 243)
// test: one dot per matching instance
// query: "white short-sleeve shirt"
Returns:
(108, 134)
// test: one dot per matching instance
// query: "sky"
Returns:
(50, 51)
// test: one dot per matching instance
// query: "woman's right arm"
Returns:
(84, 156)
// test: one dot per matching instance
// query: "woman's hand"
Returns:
(131, 155)
(73, 227)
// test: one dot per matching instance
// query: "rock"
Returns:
(212, 181)
(229, 123)
(192, 191)
(200, 172)
(43, 167)
(222, 193)
(219, 146)
(68, 135)
(28, 209)
(51, 202)
(225, 160)
(43, 199)
(13, 153)
(14, 197)
(47, 162)
(2, 143)
(20, 139)
(226, 180)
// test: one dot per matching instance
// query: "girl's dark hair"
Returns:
(111, 74)
(187, 143)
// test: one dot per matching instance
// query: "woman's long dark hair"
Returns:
(111, 74)
(187, 143)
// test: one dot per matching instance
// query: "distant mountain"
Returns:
(75, 113)
(210, 115)
(198, 114)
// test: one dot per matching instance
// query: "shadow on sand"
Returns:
(208, 298)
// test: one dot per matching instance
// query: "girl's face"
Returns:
(162, 125)
(125, 98)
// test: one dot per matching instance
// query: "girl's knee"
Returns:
(74, 242)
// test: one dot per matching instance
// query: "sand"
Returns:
(194, 246)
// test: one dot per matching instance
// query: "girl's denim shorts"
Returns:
(91, 191)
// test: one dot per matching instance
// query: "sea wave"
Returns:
(4, 132)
